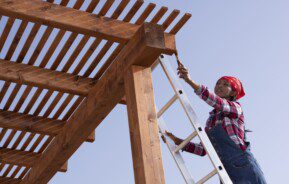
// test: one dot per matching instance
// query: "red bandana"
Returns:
(236, 86)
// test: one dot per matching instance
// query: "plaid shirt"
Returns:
(228, 113)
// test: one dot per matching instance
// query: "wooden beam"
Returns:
(17, 157)
(170, 44)
(66, 18)
(7, 180)
(44, 78)
(143, 49)
(34, 124)
(145, 144)
(30, 123)
(22, 158)
(73, 20)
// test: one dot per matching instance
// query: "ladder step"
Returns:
(206, 178)
(186, 141)
(167, 105)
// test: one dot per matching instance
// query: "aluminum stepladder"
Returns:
(199, 131)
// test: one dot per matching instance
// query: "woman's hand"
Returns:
(184, 73)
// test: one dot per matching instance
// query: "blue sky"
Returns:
(246, 39)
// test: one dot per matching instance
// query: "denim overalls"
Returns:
(241, 165)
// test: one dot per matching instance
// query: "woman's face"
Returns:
(223, 89)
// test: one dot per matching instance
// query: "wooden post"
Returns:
(145, 144)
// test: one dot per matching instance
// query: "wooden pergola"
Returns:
(53, 103)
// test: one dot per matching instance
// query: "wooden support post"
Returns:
(145, 144)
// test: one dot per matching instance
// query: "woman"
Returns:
(225, 128)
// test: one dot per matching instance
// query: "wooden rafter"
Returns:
(143, 49)
(157, 17)
(30, 123)
(16, 157)
(33, 124)
(67, 18)
(44, 78)
(7, 180)
(21, 158)
(73, 20)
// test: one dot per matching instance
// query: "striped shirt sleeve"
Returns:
(195, 148)
(233, 109)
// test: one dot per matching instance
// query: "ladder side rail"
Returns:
(176, 155)
(170, 144)
(173, 79)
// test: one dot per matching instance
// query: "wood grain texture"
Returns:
(9, 180)
(67, 15)
(44, 78)
(16, 157)
(30, 123)
(143, 49)
(21, 158)
(145, 144)
(74, 20)
(69, 19)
